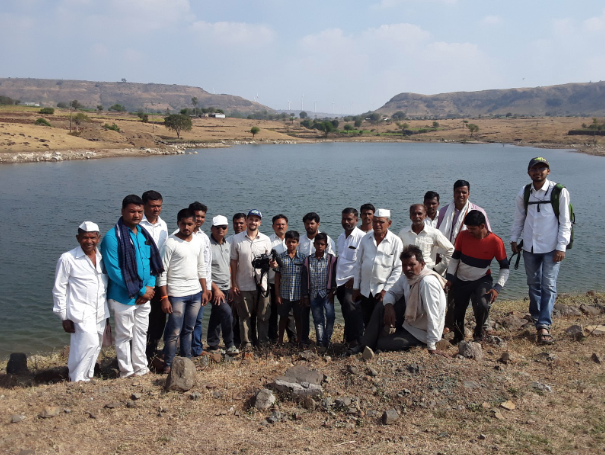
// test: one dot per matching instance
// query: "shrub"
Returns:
(62, 105)
(117, 108)
(42, 121)
(47, 110)
(112, 127)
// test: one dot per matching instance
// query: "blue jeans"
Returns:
(197, 347)
(180, 323)
(324, 323)
(542, 274)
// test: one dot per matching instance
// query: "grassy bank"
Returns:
(446, 405)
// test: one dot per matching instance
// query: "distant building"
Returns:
(31, 104)
(215, 115)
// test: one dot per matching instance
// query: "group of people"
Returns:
(395, 291)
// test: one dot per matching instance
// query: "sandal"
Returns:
(545, 338)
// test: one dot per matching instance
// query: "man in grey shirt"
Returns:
(221, 317)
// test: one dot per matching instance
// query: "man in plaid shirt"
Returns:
(288, 286)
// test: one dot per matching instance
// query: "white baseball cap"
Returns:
(89, 226)
(220, 220)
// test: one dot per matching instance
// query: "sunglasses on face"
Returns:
(220, 227)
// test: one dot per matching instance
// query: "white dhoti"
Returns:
(84, 348)
(132, 322)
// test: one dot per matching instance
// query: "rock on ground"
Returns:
(575, 331)
(390, 416)
(590, 310)
(300, 381)
(368, 354)
(566, 310)
(595, 330)
(470, 350)
(264, 399)
(182, 375)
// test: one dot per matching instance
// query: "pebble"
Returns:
(498, 415)
(368, 354)
(17, 418)
(112, 405)
(131, 404)
(135, 396)
(195, 395)
(540, 386)
(264, 399)
(390, 416)
(352, 369)
(309, 403)
(50, 411)
(482, 436)
(414, 368)
(372, 372)
(596, 358)
(506, 357)
(575, 331)
(508, 405)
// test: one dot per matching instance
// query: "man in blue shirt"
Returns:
(127, 252)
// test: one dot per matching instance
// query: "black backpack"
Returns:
(555, 196)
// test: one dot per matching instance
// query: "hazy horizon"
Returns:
(347, 57)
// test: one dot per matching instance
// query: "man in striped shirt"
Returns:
(469, 276)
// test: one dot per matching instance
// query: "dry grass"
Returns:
(447, 407)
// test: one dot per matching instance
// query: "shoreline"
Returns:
(181, 149)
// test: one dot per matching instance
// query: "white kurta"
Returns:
(80, 295)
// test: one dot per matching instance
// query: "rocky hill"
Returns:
(581, 99)
(133, 96)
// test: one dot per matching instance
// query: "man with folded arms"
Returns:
(396, 325)
(378, 266)
(427, 238)
(80, 300)
(133, 262)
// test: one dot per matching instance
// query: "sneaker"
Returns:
(232, 351)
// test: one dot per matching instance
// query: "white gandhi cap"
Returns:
(383, 213)
(89, 226)
(220, 220)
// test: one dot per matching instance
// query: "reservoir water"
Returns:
(41, 205)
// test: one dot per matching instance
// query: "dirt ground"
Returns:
(543, 399)
(21, 140)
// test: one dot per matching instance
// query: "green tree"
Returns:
(399, 115)
(327, 127)
(472, 128)
(348, 127)
(178, 123)
(303, 114)
(80, 118)
(375, 116)
(435, 124)
(47, 110)
(100, 107)
(358, 122)
(402, 127)
(62, 105)
(254, 130)
(75, 104)
(335, 123)
(194, 101)
(117, 108)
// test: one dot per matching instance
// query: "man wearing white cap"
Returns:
(378, 266)
(80, 300)
(221, 316)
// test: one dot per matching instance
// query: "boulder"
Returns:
(590, 310)
(595, 330)
(264, 399)
(309, 356)
(513, 322)
(575, 331)
(182, 375)
(470, 350)
(17, 364)
(300, 381)
(566, 310)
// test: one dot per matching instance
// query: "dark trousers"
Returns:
(273, 320)
(351, 313)
(367, 308)
(304, 313)
(157, 323)
(475, 291)
(378, 337)
(221, 319)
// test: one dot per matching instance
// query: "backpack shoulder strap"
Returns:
(526, 193)
(555, 196)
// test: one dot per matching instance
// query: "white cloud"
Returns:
(408, 35)
(385, 4)
(595, 24)
(490, 21)
(233, 33)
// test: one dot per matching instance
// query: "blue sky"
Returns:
(355, 54)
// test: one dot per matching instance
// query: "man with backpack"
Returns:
(543, 221)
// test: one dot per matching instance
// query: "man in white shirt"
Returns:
(545, 238)
(431, 202)
(278, 243)
(157, 228)
(80, 300)
(182, 285)
(366, 212)
(418, 322)
(249, 286)
(378, 266)
(200, 211)
(306, 247)
(348, 247)
(427, 239)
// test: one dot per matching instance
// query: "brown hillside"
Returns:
(578, 99)
(154, 97)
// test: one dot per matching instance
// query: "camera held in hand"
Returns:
(263, 262)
